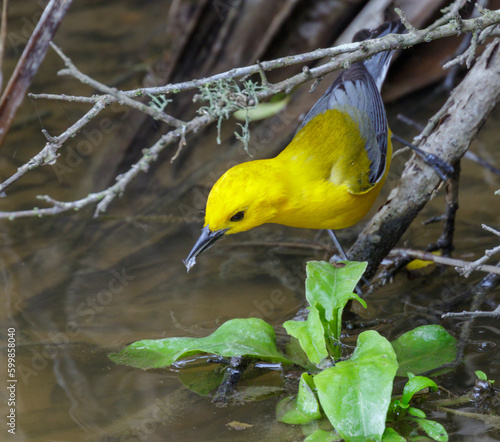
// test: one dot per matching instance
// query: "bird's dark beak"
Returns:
(206, 240)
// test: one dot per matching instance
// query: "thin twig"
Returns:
(426, 256)
(473, 315)
(450, 13)
(481, 290)
(490, 229)
(350, 52)
(105, 197)
(120, 97)
(48, 155)
(405, 21)
(468, 55)
(466, 270)
(64, 97)
(182, 144)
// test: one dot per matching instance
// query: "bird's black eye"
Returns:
(237, 216)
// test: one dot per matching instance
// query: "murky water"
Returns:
(76, 288)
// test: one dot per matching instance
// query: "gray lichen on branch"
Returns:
(224, 97)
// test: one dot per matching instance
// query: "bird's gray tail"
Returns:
(379, 63)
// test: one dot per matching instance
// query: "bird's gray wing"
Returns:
(356, 93)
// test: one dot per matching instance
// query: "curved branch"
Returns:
(105, 197)
(355, 52)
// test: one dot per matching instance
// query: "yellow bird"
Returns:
(328, 176)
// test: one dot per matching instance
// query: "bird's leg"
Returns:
(441, 167)
(335, 240)
(343, 255)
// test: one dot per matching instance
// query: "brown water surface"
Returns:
(77, 288)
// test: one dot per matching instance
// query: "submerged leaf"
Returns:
(355, 394)
(303, 408)
(202, 381)
(424, 348)
(323, 436)
(239, 426)
(257, 393)
(417, 264)
(237, 337)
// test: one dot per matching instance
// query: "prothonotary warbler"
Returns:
(328, 176)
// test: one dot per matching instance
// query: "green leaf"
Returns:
(329, 288)
(302, 409)
(398, 404)
(481, 375)
(324, 280)
(322, 436)
(325, 427)
(262, 110)
(415, 412)
(237, 337)
(391, 435)
(311, 336)
(355, 394)
(424, 348)
(433, 429)
(293, 352)
(414, 385)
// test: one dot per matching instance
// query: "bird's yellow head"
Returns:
(246, 196)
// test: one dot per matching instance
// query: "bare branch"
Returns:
(490, 229)
(105, 197)
(346, 53)
(30, 60)
(119, 96)
(48, 155)
(452, 262)
(473, 315)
